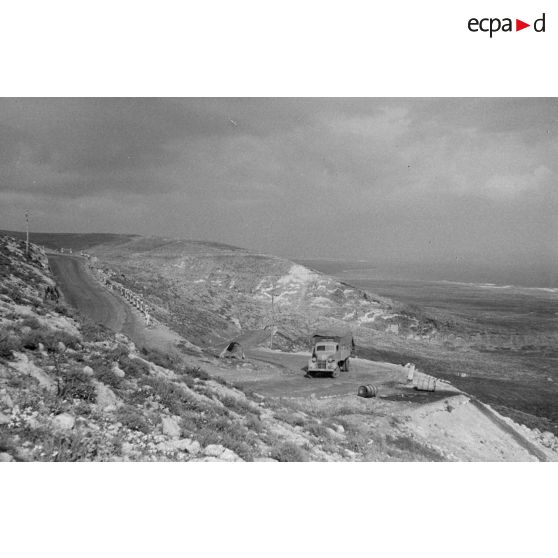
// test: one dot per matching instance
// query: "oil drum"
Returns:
(426, 383)
(367, 391)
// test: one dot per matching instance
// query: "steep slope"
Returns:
(71, 390)
(211, 293)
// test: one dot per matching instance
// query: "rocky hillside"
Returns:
(73, 391)
(211, 293)
(70, 390)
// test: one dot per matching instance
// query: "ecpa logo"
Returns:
(492, 25)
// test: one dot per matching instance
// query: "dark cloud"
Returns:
(393, 179)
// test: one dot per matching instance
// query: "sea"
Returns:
(519, 377)
(525, 307)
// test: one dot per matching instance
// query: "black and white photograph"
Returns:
(278, 279)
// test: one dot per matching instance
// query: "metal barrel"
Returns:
(367, 391)
(426, 383)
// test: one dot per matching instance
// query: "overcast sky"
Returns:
(449, 184)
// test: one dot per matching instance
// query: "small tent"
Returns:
(233, 350)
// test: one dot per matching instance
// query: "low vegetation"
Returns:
(70, 390)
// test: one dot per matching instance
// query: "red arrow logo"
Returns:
(519, 25)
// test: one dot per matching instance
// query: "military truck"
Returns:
(331, 351)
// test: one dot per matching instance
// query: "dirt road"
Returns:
(83, 292)
(270, 373)
(292, 376)
(275, 374)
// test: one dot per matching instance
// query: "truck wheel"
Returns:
(335, 373)
(309, 374)
(346, 367)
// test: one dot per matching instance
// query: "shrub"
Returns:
(133, 420)
(133, 367)
(241, 406)
(77, 446)
(287, 452)
(219, 429)
(93, 332)
(188, 350)
(119, 352)
(411, 446)
(104, 373)
(63, 309)
(196, 372)
(32, 339)
(318, 430)
(75, 385)
(9, 343)
(253, 422)
(290, 418)
(31, 322)
(158, 357)
(173, 397)
(49, 338)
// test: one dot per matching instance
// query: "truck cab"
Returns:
(330, 353)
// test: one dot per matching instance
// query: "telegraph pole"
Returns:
(273, 294)
(27, 232)
(272, 320)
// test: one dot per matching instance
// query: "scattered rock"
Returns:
(549, 440)
(64, 421)
(117, 371)
(88, 370)
(350, 454)
(333, 433)
(6, 400)
(60, 346)
(121, 338)
(41, 347)
(214, 450)
(191, 446)
(106, 398)
(4, 419)
(171, 427)
(5, 457)
(339, 428)
(127, 448)
(229, 455)
(32, 422)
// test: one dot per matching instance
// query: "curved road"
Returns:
(81, 291)
(84, 293)
(285, 377)
(102, 306)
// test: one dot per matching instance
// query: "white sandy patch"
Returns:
(297, 274)
(321, 301)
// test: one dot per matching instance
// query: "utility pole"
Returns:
(273, 293)
(272, 321)
(27, 232)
